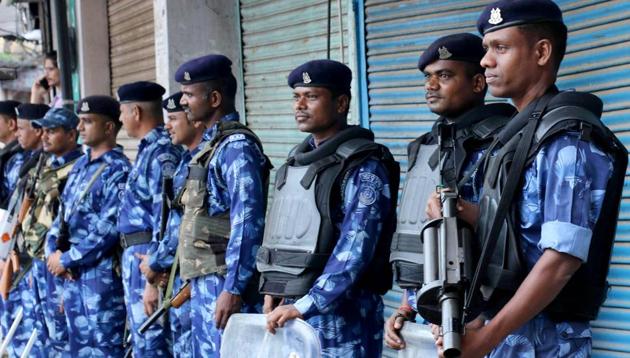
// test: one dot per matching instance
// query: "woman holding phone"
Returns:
(46, 88)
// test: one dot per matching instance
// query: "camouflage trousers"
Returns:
(23, 296)
(155, 342)
(95, 311)
(179, 318)
(206, 337)
(541, 337)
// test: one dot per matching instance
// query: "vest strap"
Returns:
(291, 258)
(137, 238)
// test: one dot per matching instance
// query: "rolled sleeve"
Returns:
(567, 238)
(306, 306)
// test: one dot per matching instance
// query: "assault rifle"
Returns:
(447, 244)
(177, 301)
(12, 264)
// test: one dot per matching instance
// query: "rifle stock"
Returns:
(180, 298)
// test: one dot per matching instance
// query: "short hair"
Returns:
(474, 69)
(52, 56)
(555, 32)
(224, 85)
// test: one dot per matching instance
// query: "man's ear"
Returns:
(343, 104)
(543, 50)
(215, 98)
(479, 83)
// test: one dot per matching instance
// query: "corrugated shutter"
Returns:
(131, 50)
(598, 61)
(278, 36)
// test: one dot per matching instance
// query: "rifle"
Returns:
(177, 301)
(448, 261)
(13, 262)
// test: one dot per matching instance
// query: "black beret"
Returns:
(171, 104)
(458, 47)
(205, 68)
(104, 105)
(31, 111)
(322, 73)
(8, 107)
(141, 91)
(507, 13)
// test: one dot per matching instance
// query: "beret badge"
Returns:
(495, 16)
(171, 104)
(444, 53)
(186, 76)
(85, 107)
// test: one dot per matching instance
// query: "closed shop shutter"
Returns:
(278, 36)
(131, 49)
(597, 61)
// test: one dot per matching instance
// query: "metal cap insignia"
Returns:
(306, 78)
(171, 104)
(495, 16)
(85, 107)
(444, 53)
(186, 76)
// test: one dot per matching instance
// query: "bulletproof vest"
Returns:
(300, 233)
(582, 297)
(203, 238)
(45, 207)
(475, 129)
(5, 154)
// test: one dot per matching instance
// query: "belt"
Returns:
(136, 238)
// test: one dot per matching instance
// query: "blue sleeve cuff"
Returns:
(411, 298)
(306, 306)
(66, 260)
(566, 238)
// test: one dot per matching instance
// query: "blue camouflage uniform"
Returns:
(349, 318)
(235, 183)
(162, 260)
(93, 300)
(140, 211)
(557, 208)
(10, 174)
(47, 290)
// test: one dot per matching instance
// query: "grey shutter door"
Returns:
(278, 36)
(597, 61)
(131, 50)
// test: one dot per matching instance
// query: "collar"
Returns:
(211, 132)
(56, 162)
(152, 137)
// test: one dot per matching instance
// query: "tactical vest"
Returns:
(5, 154)
(45, 207)
(479, 127)
(582, 297)
(203, 238)
(300, 233)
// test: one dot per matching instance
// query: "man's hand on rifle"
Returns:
(467, 211)
(150, 298)
(475, 344)
(281, 315)
(54, 264)
(146, 269)
(394, 325)
(227, 304)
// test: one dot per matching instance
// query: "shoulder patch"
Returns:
(235, 137)
(370, 185)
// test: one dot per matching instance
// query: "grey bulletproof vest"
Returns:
(291, 231)
(421, 182)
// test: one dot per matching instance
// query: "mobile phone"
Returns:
(44, 83)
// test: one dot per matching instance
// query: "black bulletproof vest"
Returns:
(582, 297)
(328, 167)
(473, 130)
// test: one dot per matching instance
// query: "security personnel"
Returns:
(158, 266)
(30, 140)
(82, 243)
(59, 140)
(11, 154)
(563, 187)
(139, 222)
(334, 207)
(224, 204)
(455, 89)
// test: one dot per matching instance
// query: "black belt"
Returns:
(136, 238)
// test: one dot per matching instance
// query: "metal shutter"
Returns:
(278, 36)
(131, 50)
(598, 61)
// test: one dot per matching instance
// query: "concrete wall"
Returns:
(193, 28)
(93, 47)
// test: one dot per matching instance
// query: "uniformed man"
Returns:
(59, 140)
(30, 140)
(11, 154)
(159, 265)
(140, 211)
(326, 246)
(563, 186)
(224, 204)
(82, 243)
(455, 89)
